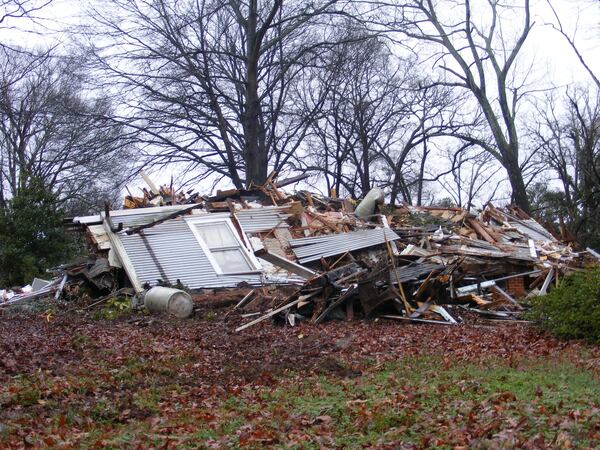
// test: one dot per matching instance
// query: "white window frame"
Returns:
(253, 262)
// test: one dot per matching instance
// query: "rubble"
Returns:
(418, 264)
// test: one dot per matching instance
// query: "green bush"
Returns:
(32, 238)
(573, 309)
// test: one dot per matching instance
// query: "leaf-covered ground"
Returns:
(74, 382)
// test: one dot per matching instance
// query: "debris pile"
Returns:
(329, 258)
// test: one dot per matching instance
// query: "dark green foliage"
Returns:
(32, 238)
(573, 309)
(550, 206)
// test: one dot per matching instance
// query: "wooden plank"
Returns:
(444, 313)
(412, 319)
(291, 180)
(266, 316)
(244, 301)
(481, 231)
(150, 183)
(285, 263)
(60, 287)
(532, 250)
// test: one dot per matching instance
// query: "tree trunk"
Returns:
(254, 133)
(515, 176)
(422, 170)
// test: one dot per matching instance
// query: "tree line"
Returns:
(428, 99)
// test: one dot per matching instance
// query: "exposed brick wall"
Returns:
(516, 287)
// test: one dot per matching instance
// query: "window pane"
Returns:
(231, 261)
(217, 235)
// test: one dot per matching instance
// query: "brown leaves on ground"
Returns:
(71, 378)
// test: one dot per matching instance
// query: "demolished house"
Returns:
(339, 260)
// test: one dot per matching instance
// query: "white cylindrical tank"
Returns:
(176, 302)
(366, 208)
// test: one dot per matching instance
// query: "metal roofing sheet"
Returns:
(532, 229)
(312, 249)
(257, 220)
(413, 271)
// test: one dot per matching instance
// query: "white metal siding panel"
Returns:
(313, 248)
(259, 220)
(179, 255)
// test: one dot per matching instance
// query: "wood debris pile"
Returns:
(341, 258)
(428, 265)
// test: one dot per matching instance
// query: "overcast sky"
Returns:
(555, 65)
(555, 61)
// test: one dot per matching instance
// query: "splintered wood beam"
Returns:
(291, 180)
(481, 231)
(245, 300)
(285, 263)
(271, 314)
(150, 183)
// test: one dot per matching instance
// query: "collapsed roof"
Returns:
(266, 236)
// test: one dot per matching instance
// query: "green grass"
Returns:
(426, 401)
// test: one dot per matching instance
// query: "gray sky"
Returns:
(554, 59)
(554, 63)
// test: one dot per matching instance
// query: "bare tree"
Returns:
(571, 38)
(208, 82)
(478, 56)
(19, 9)
(354, 97)
(471, 177)
(14, 13)
(53, 129)
(372, 116)
(431, 113)
(570, 146)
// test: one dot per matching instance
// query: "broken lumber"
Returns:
(285, 263)
(271, 314)
(413, 319)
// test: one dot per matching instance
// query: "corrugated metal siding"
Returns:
(259, 220)
(413, 271)
(313, 248)
(180, 256)
(532, 229)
